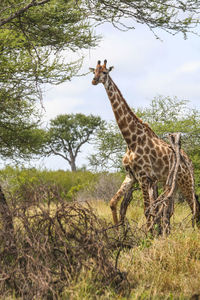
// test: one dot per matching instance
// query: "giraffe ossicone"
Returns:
(147, 158)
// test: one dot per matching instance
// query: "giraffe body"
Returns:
(148, 158)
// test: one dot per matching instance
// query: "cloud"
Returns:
(189, 67)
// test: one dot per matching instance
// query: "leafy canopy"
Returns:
(32, 47)
(169, 15)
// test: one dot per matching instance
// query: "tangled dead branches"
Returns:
(53, 244)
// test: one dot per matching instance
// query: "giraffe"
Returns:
(147, 158)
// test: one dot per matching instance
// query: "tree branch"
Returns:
(60, 154)
(22, 10)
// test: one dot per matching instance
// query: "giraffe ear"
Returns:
(110, 69)
(91, 70)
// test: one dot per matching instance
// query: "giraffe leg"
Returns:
(145, 190)
(126, 185)
(125, 203)
(150, 194)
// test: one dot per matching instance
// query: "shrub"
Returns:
(52, 245)
(33, 185)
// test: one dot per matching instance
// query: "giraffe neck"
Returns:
(129, 124)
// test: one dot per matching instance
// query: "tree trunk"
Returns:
(73, 165)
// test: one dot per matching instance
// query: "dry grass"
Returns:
(169, 266)
(72, 251)
(164, 267)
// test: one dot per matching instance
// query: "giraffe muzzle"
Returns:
(95, 81)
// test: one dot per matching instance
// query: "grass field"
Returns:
(153, 268)
(159, 268)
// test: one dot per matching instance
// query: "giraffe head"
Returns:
(100, 73)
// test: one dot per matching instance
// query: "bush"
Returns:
(52, 245)
(32, 185)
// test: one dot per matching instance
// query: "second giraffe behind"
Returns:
(148, 157)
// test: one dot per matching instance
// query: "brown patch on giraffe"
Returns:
(153, 152)
(139, 140)
(117, 116)
(128, 140)
(132, 126)
(147, 150)
(165, 158)
(160, 163)
(115, 104)
(139, 126)
(140, 150)
(124, 108)
(139, 132)
(140, 162)
(135, 168)
(118, 97)
(129, 118)
(109, 94)
(132, 146)
(112, 98)
(126, 132)
(122, 123)
(133, 137)
(120, 111)
(146, 159)
(158, 151)
(144, 138)
(152, 158)
(186, 178)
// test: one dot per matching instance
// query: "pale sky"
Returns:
(144, 67)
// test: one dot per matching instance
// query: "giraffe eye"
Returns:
(104, 72)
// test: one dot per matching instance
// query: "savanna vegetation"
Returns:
(57, 240)
(64, 244)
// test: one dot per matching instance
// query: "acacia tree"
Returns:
(68, 133)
